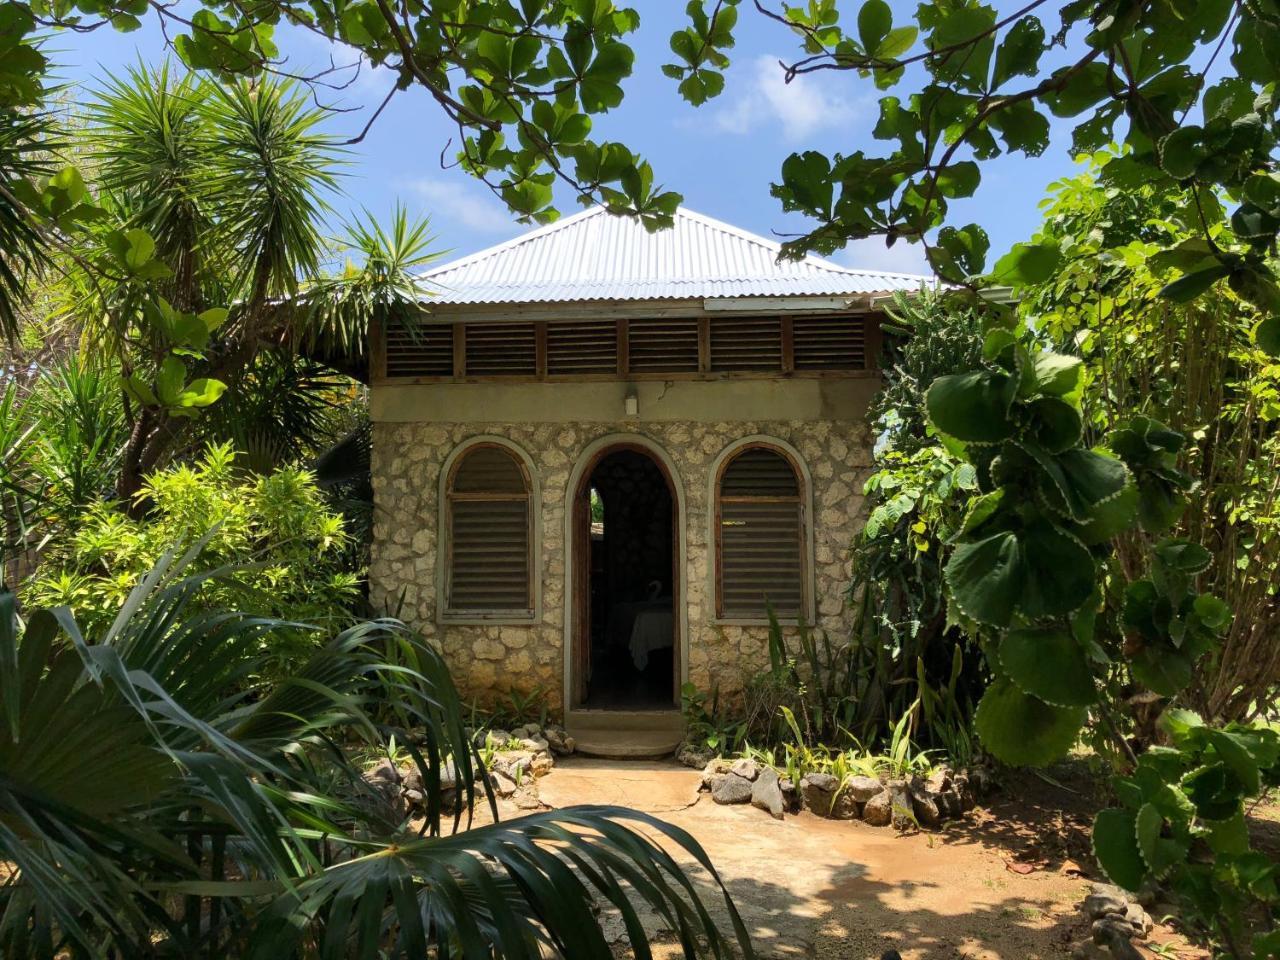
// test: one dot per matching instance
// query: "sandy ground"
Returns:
(1002, 884)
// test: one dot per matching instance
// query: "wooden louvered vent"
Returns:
(829, 343)
(761, 525)
(489, 539)
(420, 349)
(746, 343)
(662, 346)
(587, 347)
(501, 350)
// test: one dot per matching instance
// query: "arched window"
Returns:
(489, 537)
(759, 536)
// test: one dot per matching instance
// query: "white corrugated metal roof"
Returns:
(595, 255)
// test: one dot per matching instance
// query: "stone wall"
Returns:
(489, 660)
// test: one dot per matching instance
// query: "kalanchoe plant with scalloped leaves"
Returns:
(1028, 571)
(1027, 563)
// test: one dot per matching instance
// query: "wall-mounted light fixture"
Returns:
(631, 404)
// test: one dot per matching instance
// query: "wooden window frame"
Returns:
(806, 613)
(448, 497)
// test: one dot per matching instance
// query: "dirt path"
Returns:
(809, 887)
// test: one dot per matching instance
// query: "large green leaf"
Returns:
(1060, 572)
(1115, 844)
(1056, 374)
(1160, 853)
(973, 407)
(1023, 730)
(986, 578)
(1055, 424)
(1027, 263)
(1019, 52)
(1162, 669)
(1076, 482)
(1050, 664)
(1112, 518)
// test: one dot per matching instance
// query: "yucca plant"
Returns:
(154, 801)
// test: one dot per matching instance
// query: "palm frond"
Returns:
(27, 147)
(268, 179)
(157, 713)
(150, 142)
(334, 314)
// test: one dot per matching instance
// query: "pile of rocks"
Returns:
(521, 756)
(1116, 919)
(902, 802)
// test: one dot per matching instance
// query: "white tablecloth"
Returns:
(652, 630)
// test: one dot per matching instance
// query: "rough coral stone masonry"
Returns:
(491, 660)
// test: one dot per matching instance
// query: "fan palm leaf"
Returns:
(159, 711)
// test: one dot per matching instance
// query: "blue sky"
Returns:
(721, 156)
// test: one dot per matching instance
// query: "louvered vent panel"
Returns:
(489, 470)
(489, 567)
(489, 533)
(589, 347)
(501, 349)
(829, 343)
(759, 472)
(760, 558)
(663, 346)
(760, 536)
(419, 350)
(746, 343)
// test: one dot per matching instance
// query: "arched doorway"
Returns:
(624, 614)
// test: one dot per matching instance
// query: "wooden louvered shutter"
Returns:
(422, 349)
(590, 346)
(489, 534)
(662, 346)
(761, 536)
(746, 343)
(501, 350)
(829, 343)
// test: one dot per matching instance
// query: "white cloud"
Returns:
(870, 253)
(463, 204)
(801, 107)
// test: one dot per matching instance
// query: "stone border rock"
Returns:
(917, 801)
(1116, 919)
(522, 756)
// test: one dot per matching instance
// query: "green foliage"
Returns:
(1187, 799)
(60, 442)
(705, 727)
(280, 545)
(116, 741)
(903, 647)
(1081, 565)
(1191, 365)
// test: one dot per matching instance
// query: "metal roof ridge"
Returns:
(535, 234)
(692, 216)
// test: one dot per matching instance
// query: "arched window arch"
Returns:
(489, 534)
(760, 535)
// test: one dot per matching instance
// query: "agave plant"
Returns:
(154, 801)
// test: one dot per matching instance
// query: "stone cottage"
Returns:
(601, 454)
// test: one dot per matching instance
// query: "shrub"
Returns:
(903, 647)
(283, 543)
